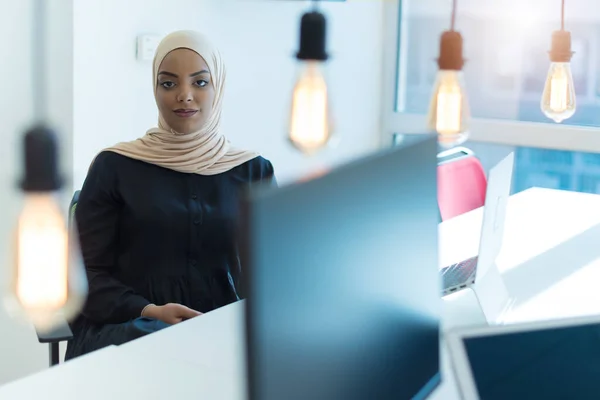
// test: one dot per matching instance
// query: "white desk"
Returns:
(214, 342)
(550, 236)
(114, 374)
(550, 259)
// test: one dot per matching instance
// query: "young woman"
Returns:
(157, 216)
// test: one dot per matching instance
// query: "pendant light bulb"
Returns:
(558, 99)
(311, 127)
(47, 282)
(449, 112)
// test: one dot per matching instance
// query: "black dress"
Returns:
(153, 235)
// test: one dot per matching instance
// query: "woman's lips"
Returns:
(185, 113)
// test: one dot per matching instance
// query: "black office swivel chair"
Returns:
(62, 332)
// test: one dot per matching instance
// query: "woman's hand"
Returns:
(171, 313)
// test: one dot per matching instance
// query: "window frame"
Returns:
(503, 132)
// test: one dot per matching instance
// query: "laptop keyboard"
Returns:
(459, 273)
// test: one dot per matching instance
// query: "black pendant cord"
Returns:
(40, 146)
(453, 20)
(562, 16)
(38, 61)
(315, 5)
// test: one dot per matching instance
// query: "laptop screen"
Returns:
(560, 363)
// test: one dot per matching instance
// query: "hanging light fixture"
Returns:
(47, 280)
(310, 126)
(449, 109)
(558, 100)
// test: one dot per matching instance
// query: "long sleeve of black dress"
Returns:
(152, 235)
(97, 216)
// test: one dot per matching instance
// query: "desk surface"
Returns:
(214, 342)
(111, 373)
(548, 236)
(550, 259)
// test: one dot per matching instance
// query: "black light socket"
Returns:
(40, 151)
(313, 33)
(451, 51)
(561, 47)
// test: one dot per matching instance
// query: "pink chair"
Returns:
(461, 182)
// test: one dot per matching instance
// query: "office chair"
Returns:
(461, 182)
(62, 332)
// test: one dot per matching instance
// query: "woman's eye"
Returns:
(167, 84)
(201, 83)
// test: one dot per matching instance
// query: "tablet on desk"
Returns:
(543, 360)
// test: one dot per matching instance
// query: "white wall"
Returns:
(113, 91)
(59, 79)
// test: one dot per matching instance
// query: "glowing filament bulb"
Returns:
(449, 111)
(558, 101)
(310, 125)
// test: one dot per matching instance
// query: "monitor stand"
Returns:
(492, 296)
(487, 302)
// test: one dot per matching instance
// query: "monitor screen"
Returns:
(560, 363)
(343, 279)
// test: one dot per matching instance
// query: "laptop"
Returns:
(480, 271)
(556, 359)
(463, 274)
(343, 281)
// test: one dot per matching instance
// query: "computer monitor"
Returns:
(343, 281)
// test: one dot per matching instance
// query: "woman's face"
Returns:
(185, 92)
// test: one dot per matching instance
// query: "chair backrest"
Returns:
(73, 206)
(71, 220)
(461, 182)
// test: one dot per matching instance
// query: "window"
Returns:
(552, 169)
(506, 47)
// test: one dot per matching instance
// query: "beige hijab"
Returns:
(205, 152)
